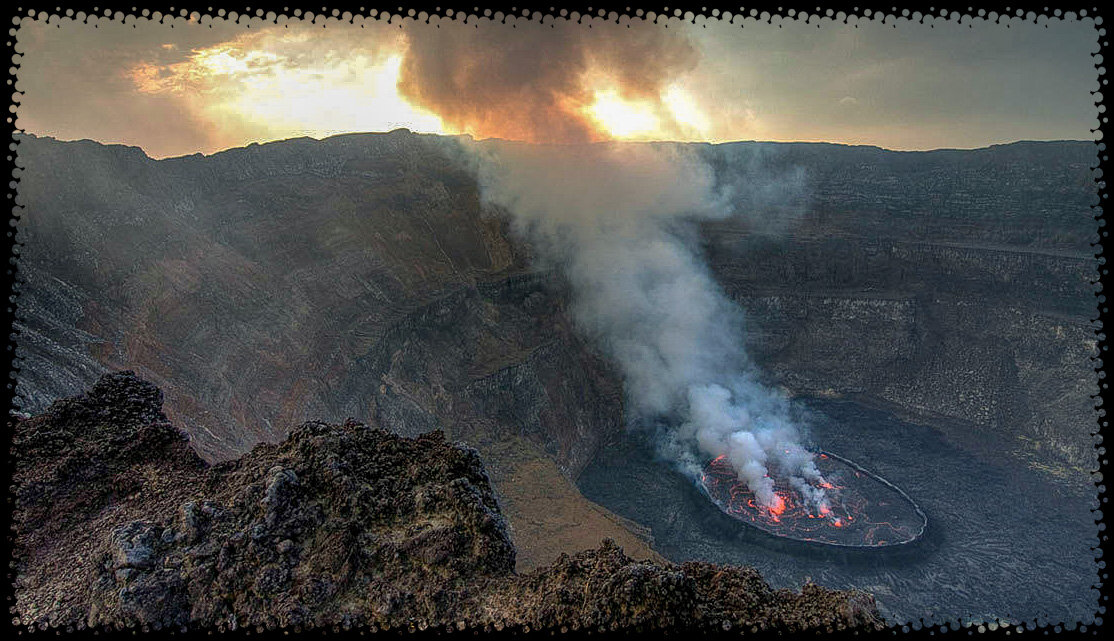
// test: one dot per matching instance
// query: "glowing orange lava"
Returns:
(863, 510)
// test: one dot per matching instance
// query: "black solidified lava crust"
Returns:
(1002, 541)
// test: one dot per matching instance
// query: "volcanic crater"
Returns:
(863, 510)
(952, 285)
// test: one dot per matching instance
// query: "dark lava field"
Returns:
(1004, 542)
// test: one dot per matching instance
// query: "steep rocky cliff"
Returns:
(274, 265)
(118, 521)
(359, 276)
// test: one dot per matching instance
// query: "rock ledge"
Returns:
(119, 522)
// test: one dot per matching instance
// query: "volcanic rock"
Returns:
(361, 276)
(952, 284)
(119, 522)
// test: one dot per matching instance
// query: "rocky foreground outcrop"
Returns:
(120, 522)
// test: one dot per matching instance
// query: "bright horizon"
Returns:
(198, 85)
(453, 135)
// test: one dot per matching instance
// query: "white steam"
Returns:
(619, 220)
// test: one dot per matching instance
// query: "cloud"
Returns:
(539, 82)
(280, 83)
(917, 87)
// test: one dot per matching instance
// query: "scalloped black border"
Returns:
(704, 10)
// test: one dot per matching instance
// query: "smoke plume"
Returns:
(534, 82)
(619, 221)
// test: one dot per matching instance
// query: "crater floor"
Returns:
(1004, 541)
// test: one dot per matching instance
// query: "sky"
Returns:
(202, 84)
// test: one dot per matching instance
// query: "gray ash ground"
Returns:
(1004, 542)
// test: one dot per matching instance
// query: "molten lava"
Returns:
(864, 510)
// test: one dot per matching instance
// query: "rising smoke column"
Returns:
(533, 81)
(619, 221)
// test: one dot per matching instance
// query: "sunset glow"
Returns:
(270, 86)
(685, 111)
(622, 119)
(351, 95)
(181, 86)
(268, 83)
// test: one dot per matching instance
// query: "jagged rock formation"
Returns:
(952, 283)
(359, 276)
(273, 265)
(120, 522)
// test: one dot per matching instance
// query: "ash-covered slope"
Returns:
(359, 276)
(952, 283)
(272, 262)
(119, 521)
